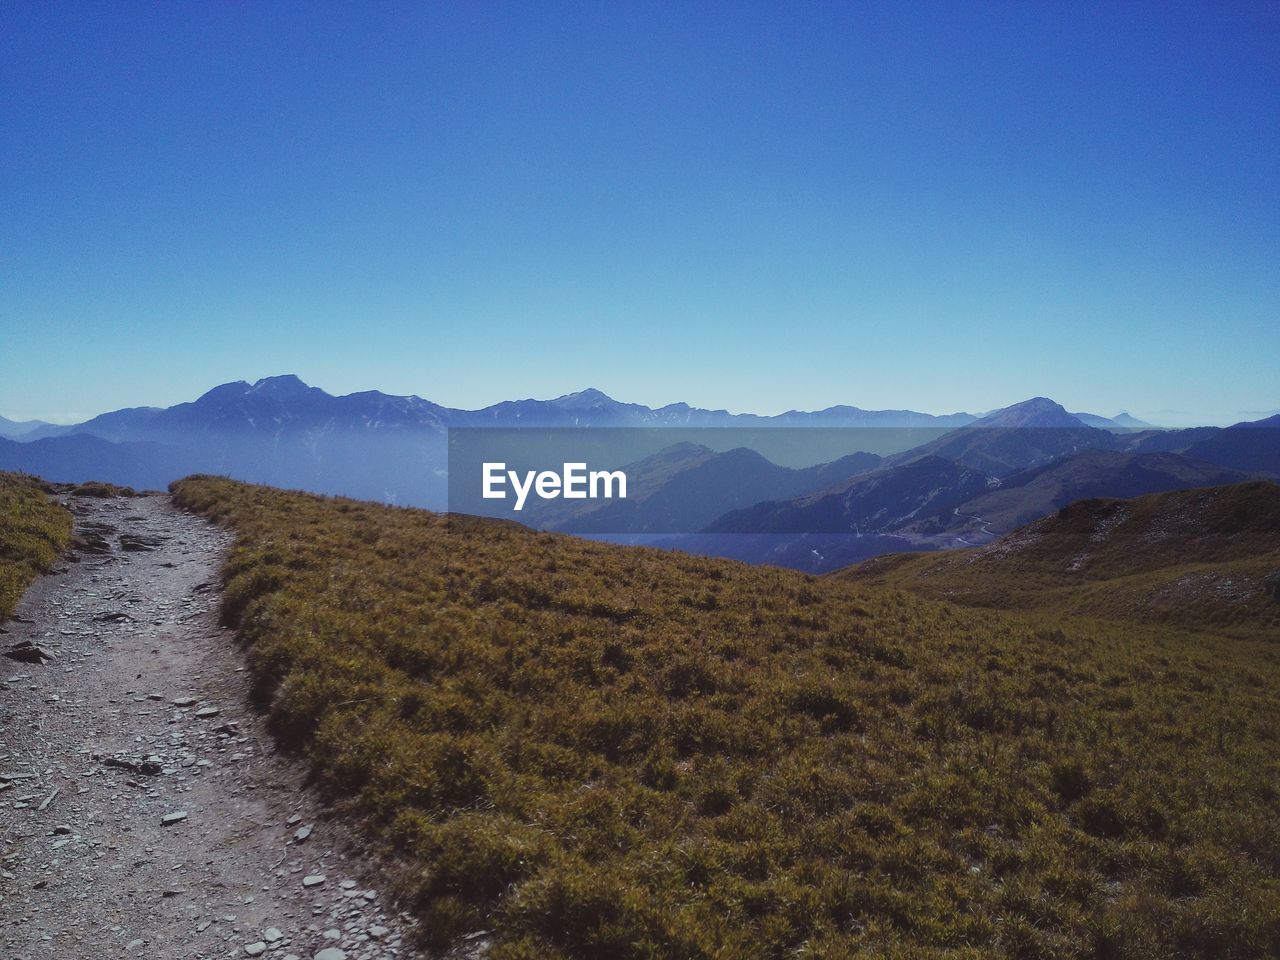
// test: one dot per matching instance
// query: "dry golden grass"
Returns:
(605, 752)
(33, 531)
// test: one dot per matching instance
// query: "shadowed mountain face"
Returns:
(1254, 447)
(1037, 492)
(937, 503)
(685, 487)
(919, 496)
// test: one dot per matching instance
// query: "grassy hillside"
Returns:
(1207, 559)
(606, 752)
(33, 531)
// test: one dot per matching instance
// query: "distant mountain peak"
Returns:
(286, 384)
(1036, 412)
(1126, 419)
(222, 391)
(1037, 404)
(590, 397)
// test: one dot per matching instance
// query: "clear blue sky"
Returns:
(756, 206)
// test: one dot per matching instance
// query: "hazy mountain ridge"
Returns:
(378, 446)
(286, 398)
(19, 429)
(920, 495)
(373, 445)
(1121, 421)
(684, 488)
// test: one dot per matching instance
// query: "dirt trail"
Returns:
(143, 809)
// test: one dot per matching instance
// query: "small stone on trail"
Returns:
(28, 652)
(331, 953)
(302, 833)
(171, 818)
(314, 880)
(204, 712)
(255, 949)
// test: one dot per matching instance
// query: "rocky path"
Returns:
(143, 810)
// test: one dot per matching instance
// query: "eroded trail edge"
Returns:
(143, 808)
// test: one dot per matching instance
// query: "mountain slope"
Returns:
(1252, 446)
(1206, 558)
(1023, 435)
(1035, 493)
(918, 496)
(685, 487)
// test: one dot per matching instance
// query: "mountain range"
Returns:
(370, 445)
(930, 482)
(997, 473)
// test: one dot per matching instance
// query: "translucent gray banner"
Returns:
(642, 482)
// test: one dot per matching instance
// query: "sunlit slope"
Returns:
(1206, 559)
(606, 752)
